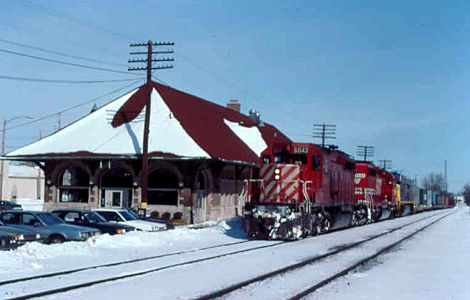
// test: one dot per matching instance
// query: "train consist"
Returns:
(304, 189)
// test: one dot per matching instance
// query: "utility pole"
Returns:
(149, 68)
(4, 128)
(324, 132)
(386, 164)
(445, 175)
(365, 151)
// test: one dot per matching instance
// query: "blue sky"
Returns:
(390, 74)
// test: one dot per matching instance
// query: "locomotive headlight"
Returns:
(277, 177)
(277, 171)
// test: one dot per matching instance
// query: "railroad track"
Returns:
(18, 284)
(71, 271)
(361, 262)
(17, 290)
(236, 290)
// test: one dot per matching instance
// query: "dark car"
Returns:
(8, 205)
(7, 241)
(51, 228)
(167, 223)
(22, 236)
(91, 219)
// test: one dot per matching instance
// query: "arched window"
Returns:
(74, 185)
(163, 185)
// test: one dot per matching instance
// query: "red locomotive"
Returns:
(374, 191)
(302, 189)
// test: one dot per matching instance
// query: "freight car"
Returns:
(303, 189)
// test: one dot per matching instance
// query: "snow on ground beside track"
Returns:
(37, 258)
(435, 264)
(208, 276)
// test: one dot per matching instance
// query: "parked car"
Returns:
(22, 236)
(7, 241)
(167, 223)
(91, 219)
(125, 217)
(8, 205)
(51, 228)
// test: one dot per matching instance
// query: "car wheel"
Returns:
(56, 239)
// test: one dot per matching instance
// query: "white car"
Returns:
(124, 217)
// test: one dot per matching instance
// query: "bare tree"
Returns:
(434, 182)
(466, 193)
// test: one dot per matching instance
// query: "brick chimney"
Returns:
(234, 104)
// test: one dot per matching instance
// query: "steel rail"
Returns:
(71, 271)
(139, 273)
(47, 275)
(237, 286)
(363, 261)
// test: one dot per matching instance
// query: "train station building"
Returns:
(200, 153)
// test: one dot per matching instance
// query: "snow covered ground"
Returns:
(418, 270)
(435, 264)
(36, 258)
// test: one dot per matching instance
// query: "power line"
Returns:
(161, 81)
(64, 62)
(73, 20)
(61, 53)
(73, 107)
(62, 81)
(228, 82)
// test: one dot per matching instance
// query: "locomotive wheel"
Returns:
(356, 218)
(326, 224)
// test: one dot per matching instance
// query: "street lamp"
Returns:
(5, 122)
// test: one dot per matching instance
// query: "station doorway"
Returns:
(116, 188)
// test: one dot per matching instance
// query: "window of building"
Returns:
(74, 185)
(163, 186)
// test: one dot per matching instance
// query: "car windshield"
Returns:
(133, 213)
(93, 217)
(128, 216)
(49, 219)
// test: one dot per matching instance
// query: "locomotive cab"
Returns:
(297, 182)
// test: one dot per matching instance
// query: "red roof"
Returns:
(203, 121)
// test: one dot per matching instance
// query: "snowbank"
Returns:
(35, 257)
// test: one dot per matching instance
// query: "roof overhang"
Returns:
(121, 157)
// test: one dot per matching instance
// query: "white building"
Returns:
(22, 181)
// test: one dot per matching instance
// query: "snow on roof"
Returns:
(181, 125)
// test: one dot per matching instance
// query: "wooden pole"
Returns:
(144, 173)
